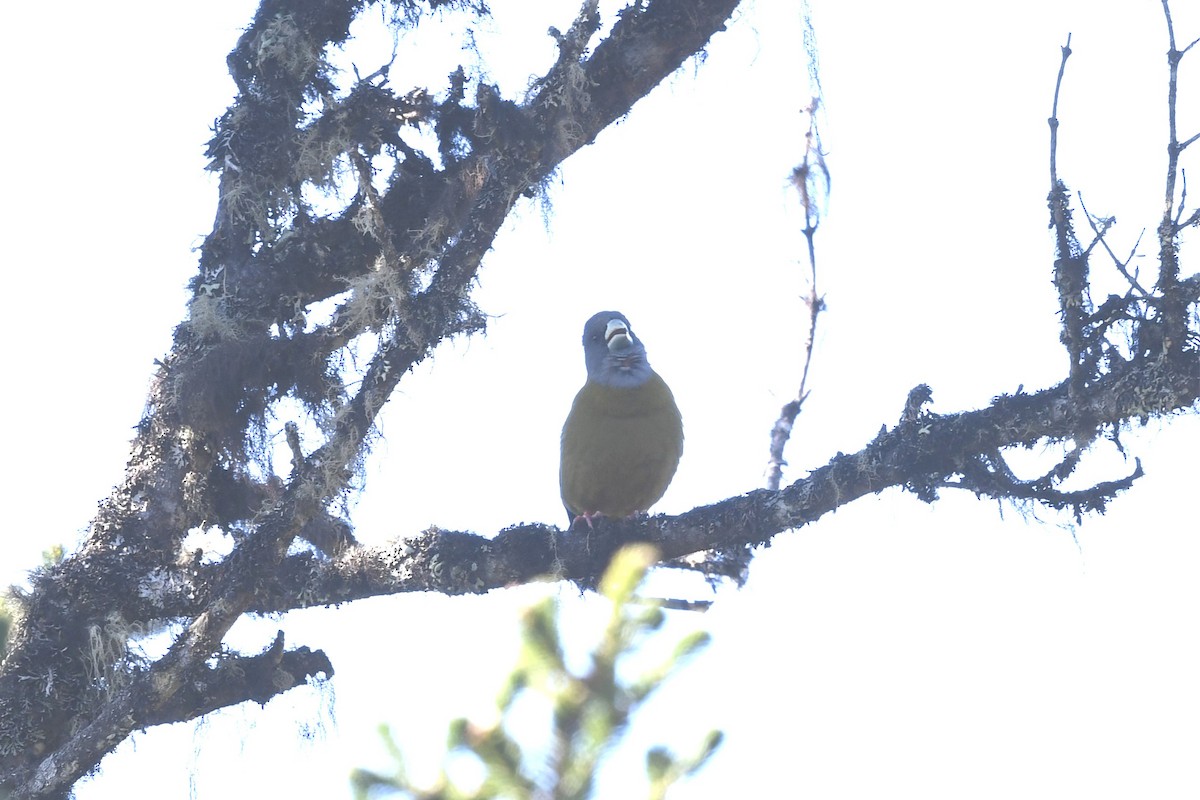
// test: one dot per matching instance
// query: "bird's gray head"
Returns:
(614, 356)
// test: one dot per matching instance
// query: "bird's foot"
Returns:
(587, 517)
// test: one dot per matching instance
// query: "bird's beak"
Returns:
(617, 335)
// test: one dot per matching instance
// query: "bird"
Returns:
(623, 437)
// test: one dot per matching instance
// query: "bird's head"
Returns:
(614, 356)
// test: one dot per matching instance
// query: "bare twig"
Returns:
(1062, 68)
(1173, 310)
(1170, 271)
(1121, 266)
(811, 179)
(1070, 263)
(1182, 196)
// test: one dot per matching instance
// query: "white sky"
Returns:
(891, 648)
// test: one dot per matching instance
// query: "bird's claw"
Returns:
(587, 517)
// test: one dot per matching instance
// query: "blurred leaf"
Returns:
(589, 713)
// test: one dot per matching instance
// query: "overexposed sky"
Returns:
(891, 648)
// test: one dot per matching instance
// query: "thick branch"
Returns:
(237, 679)
(232, 681)
(918, 453)
(226, 367)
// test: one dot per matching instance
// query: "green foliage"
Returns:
(590, 711)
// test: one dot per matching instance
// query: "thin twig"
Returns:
(1173, 58)
(811, 179)
(1062, 68)
(1174, 311)
(1182, 197)
(1122, 266)
(1070, 263)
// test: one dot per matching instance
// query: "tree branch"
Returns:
(811, 181)
(244, 345)
(1172, 311)
(919, 454)
(1070, 262)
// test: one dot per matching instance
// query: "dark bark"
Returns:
(409, 250)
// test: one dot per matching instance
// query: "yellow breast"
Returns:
(620, 448)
